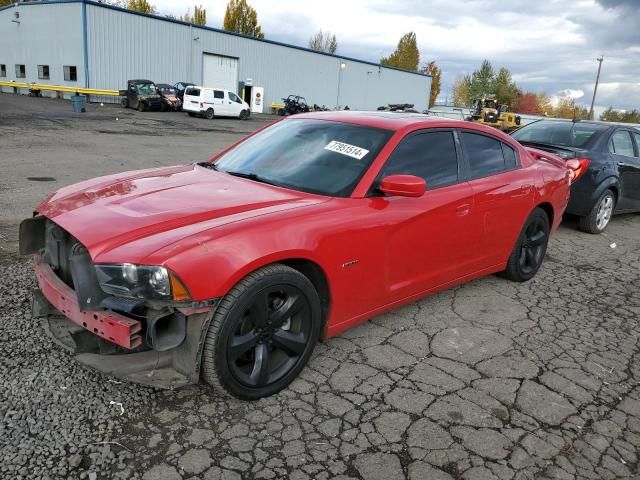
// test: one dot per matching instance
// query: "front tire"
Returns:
(600, 216)
(527, 256)
(262, 334)
(141, 107)
(244, 115)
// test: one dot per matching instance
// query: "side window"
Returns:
(510, 158)
(621, 143)
(234, 97)
(637, 137)
(484, 154)
(431, 156)
(218, 94)
(70, 73)
(43, 72)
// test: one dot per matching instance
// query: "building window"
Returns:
(21, 71)
(70, 73)
(43, 72)
(3, 70)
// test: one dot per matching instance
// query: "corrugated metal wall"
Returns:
(123, 46)
(48, 34)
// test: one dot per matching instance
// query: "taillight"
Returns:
(201, 105)
(577, 167)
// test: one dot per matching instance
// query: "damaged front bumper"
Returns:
(159, 346)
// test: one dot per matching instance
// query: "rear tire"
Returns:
(527, 256)
(262, 334)
(600, 216)
(124, 103)
(209, 114)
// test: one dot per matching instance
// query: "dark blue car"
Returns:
(606, 160)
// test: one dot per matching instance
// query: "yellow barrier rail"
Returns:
(59, 88)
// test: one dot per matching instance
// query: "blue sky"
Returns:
(549, 46)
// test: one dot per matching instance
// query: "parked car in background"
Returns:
(181, 87)
(214, 102)
(141, 95)
(170, 100)
(232, 269)
(606, 161)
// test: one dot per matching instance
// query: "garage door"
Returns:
(220, 72)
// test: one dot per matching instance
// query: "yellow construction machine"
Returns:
(488, 112)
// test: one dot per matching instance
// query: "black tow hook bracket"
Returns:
(166, 329)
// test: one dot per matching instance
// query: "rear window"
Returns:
(193, 92)
(564, 134)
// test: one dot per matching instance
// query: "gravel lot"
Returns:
(490, 380)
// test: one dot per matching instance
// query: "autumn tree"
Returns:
(141, 6)
(544, 104)
(240, 17)
(199, 16)
(436, 73)
(527, 104)
(461, 91)
(406, 55)
(323, 42)
(567, 108)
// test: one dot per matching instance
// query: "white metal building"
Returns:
(89, 44)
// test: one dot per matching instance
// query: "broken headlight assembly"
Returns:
(141, 281)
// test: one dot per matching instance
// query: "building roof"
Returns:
(202, 27)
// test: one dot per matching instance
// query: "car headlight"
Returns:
(141, 281)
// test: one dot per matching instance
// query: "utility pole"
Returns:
(595, 89)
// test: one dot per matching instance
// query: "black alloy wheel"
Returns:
(262, 334)
(270, 337)
(533, 248)
(527, 255)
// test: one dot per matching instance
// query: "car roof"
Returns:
(387, 120)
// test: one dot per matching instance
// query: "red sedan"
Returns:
(231, 270)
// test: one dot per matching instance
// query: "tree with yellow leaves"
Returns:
(240, 17)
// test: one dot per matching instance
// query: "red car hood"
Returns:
(108, 212)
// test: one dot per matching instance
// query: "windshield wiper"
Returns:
(212, 166)
(252, 176)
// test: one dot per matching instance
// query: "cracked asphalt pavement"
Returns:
(489, 380)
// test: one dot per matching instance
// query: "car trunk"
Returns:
(566, 153)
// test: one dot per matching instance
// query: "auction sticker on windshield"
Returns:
(346, 149)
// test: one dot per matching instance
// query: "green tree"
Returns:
(483, 82)
(436, 73)
(506, 89)
(406, 56)
(461, 91)
(141, 6)
(623, 116)
(199, 16)
(240, 17)
(323, 42)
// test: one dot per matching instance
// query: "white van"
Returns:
(214, 102)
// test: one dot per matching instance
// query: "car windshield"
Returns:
(146, 88)
(564, 134)
(310, 155)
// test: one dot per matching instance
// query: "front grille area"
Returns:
(59, 246)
